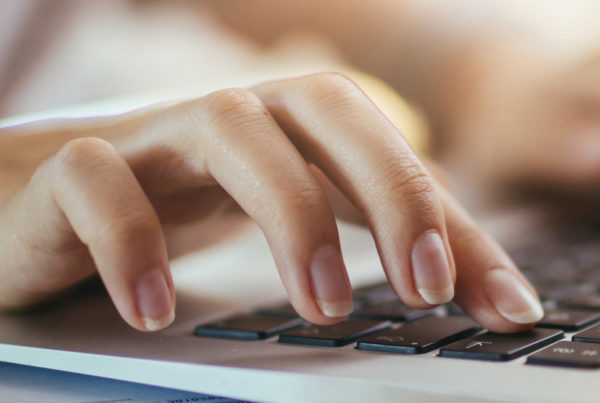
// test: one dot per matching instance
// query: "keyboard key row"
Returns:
(423, 331)
(456, 336)
(374, 326)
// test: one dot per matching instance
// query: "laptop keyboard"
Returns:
(564, 267)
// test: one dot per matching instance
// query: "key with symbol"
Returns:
(247, 327)
(420, 336)
(501, 347)
(568, 354)
(337, 335)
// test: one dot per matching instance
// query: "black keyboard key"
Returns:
(568, 319)
(568, 354)
(501, 347)
(591, 335)
(396, 311)
(590, 301)
(337, 335)
(247, 327)
(285, 310)
(420, 336)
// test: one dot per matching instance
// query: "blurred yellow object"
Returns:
(409, 120)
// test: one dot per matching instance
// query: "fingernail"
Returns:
(330, 283)
(511, 297)
(431, 270)
(154, 300)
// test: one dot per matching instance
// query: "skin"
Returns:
(292, 155)
(108, 195)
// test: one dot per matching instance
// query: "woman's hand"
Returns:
(528, 121)
(289, 154)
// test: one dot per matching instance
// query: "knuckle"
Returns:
(416, 183)
(83, 152)
(408, 184)
(235, 106)
(334, 89)
(331, 82)
(235, 116)
(232, 113)
(406, 179)
(303, 201)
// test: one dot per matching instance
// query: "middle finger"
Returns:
(336, 127)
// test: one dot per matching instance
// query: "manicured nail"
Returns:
(154, 300)
(431, 270)
(511, 297)
(330, 283)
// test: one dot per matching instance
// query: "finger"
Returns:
(340, 205)
(91, 186)
(345, 210)
(503, 301)
(488, 285)
(242, 148)
(336, 127)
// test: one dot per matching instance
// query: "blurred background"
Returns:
(62, 52)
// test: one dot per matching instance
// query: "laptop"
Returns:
(235, 336)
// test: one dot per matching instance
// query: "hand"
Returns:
(288, 153)
(531, 122)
